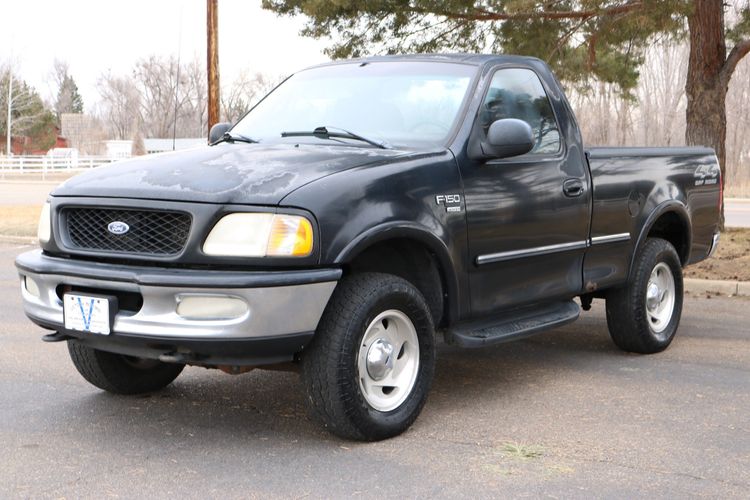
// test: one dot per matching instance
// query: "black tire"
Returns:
(121, 374)
(330, 370)
(627, 312)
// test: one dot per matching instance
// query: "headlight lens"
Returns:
(44, 231)
(260, 235)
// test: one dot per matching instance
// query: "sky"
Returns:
(95, 37)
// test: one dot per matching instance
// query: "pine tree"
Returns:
(68, 100)
(29, 116)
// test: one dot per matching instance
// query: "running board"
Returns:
(513, 325)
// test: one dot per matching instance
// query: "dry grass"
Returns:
(731, 260)
(55, 177)
(19, 220)
(522, 451)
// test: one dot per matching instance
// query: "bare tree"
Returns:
(738, 123)
(597, 109)
(158, 97)
(120, 104)
(243, 93)
(661, 95)
(171, 96)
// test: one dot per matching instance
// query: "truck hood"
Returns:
(253, 174)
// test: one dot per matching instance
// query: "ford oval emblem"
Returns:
(118, 227)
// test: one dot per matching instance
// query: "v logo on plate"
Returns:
(86, 317)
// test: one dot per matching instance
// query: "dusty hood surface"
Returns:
(228, 173)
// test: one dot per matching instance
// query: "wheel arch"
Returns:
(670, 221)
(414, 236)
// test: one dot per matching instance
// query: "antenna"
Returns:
(177, 84)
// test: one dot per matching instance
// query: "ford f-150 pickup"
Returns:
(359, 210)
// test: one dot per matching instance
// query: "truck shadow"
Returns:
(208, 408)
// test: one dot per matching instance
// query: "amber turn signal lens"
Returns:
(291, 236)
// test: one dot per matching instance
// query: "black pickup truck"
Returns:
(359, 210)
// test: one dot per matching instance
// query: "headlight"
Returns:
(44, 232)
(260, 235)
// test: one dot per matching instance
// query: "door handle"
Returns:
(573, 188)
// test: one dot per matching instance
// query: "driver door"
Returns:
(527, 216)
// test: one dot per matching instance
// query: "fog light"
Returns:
(210, 307)
(32, 287)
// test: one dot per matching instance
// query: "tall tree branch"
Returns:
(484, 15)
(735, 56)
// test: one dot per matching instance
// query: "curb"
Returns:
(722, 287)
(35, 182)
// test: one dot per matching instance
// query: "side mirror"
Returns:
(217, 131)
(508, 137)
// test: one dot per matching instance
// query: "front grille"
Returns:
(149, 232)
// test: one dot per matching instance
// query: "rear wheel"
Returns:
(121, 374)
(370, 365)
(643, 316)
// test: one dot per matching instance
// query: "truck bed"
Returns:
(633, 185)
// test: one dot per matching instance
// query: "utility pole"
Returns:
(212, 26)
(8, 145)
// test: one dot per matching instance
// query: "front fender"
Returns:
(411, 231)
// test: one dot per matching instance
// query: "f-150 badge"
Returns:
(452, 202)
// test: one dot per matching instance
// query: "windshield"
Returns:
(401, 104)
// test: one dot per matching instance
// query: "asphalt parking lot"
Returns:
(563, 414)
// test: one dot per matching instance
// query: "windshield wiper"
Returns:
(227, 137)
(336, 133)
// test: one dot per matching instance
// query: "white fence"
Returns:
(49, 164)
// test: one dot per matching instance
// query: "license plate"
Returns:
(85, 313)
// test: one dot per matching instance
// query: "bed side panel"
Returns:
(630, 188)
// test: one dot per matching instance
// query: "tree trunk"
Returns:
(706, 86)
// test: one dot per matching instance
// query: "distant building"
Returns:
(163, 145)
(118, 149)
(23, 145)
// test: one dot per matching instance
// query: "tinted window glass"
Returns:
(518, 93)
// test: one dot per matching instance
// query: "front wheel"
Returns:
(370, 365)
(643, 316)
(121, 374)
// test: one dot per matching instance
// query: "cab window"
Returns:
(518, 93)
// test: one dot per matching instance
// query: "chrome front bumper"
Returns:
(279, 303)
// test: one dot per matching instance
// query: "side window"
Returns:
(518, 93)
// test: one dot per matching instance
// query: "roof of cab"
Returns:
(473, 59)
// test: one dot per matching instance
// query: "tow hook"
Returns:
(177, 357)
(56, 337)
